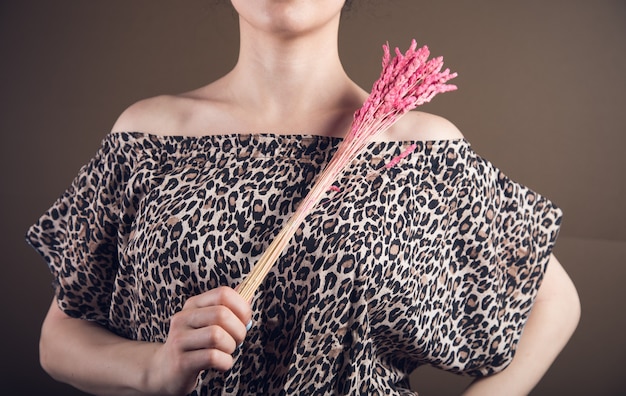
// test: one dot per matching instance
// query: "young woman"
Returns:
(437, 260)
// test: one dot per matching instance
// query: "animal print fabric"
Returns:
(435, 260)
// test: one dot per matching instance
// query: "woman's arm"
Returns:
(202, 335)
(551, 323)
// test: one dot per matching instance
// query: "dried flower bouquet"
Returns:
(406, 81)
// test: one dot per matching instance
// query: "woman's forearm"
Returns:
(203, 335)
(552, 321)
(87, 356)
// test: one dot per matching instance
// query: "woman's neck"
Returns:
(291, 74)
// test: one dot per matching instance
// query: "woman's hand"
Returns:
(203, 335)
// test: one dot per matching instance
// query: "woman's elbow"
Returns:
(49, 339)
(559, 290)
(575, 309)
(45, 358)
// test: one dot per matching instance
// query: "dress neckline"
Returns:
(276, 136)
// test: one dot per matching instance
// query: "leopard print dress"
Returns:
(435, 260)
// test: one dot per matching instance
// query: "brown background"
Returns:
(542, 95)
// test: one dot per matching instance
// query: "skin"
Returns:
(288, 55)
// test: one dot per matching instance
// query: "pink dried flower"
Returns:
(396, 160)
(406, 81)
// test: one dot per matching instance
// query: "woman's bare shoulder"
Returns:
(181, 114)
(418, 125)
(155, 115)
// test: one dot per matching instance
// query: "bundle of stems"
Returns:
(406, 81)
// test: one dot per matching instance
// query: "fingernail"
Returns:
(249, 325)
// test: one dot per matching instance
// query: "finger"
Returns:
(225, 296)
(211, 337)
(213, 316)
(202, 359)
(249, 300)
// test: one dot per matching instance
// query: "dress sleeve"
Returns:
(502, 238)
(78, 235)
